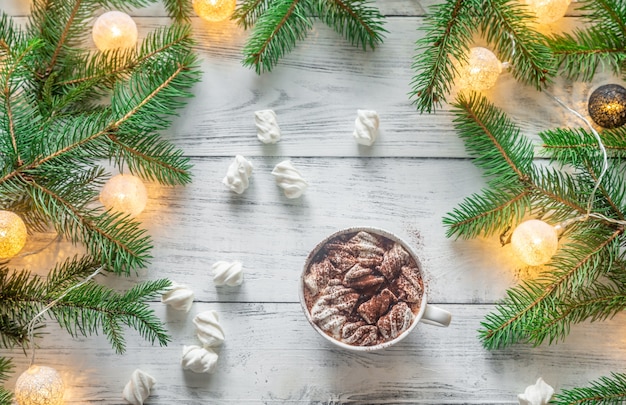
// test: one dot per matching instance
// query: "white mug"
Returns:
(427, 313)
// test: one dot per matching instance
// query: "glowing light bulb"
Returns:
(12, 234)
(124, 193)
(548, 11)
(114, 30)
(39, 385)
(481, 70)
(535, 242)
(607, 106)
(214, 10)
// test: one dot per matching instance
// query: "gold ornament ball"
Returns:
(548, 11)
(12, 234)
(535, 242)
(607, 106)
(214, 10)
(39, 385)
(124, 193)
(114, 30)
(481, 70)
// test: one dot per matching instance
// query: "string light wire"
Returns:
(31, 324)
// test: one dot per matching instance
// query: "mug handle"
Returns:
(436, 316)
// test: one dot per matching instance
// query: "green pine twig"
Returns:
(609, 390)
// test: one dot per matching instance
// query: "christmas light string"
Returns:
(31, 324)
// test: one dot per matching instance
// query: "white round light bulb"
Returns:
(481, 70)
(535, 242)
(114, 30)
(214, 10)
(12, 234)
(39, 385)
(548, 11)
(124, 193)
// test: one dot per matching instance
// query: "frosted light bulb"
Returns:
(214, 10)
(12, 234)
(114, 30)
(481, 70)
(548, 11)
(124, 193)
(535, 242)
(39, 385)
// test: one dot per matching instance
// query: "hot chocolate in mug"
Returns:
(362, 288)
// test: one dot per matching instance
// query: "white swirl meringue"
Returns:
(289, 179)
(208, 328)
(227, 273)
(138, 388)
(178, 296)
(237, 177)
(199, 360)
(366, 127)
(267, 127)
(537, 394)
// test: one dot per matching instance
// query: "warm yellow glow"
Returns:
(113, 30)
(12, 234)
(39, 385)
(214, 10)
(535, 242)
(481, 70)
(548, 11)
(124, 193)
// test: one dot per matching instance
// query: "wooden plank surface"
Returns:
(415, 173)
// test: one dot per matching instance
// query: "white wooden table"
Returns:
(415, 173)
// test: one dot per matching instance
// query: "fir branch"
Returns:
(579, 55)
(506, 25)
(487, 213)
(609, 15)
(356, 20)
(179, 10)
(5, 368)
(495, 141)
(275, 34)
(599, 302)
(249, 11)
(566, 145)
(576, 266)
(112, 238)
(558, 194)
(604, 391)
(6, 396)
(448, 31)
(90, 308)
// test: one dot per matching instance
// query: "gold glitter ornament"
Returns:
(548, 11)
(214, 10)
(12, 234)
(607, 106)
(535, 242)
(114, 30)
(124, 193)
(481, 70)
(39, 385)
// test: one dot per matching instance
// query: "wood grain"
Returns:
(416, 172)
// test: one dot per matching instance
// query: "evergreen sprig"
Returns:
(64, 110)
(543, 308)
(602, 43)
(277, 26)
(449, 31)
(603, 391)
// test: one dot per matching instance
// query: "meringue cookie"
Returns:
(199, 360)
(366, 127)
(289, 179)
(208, 328)
(237, 177)
(138, 388)
(227, 273)
(267, 127)
(179, 297)
(538, 394)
